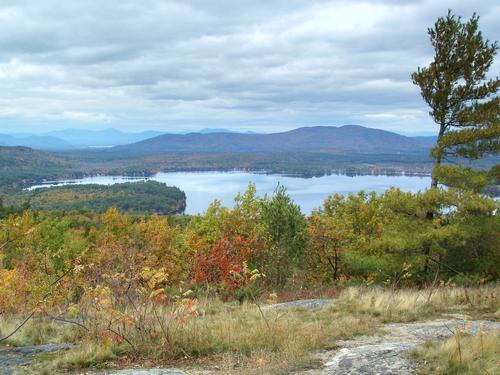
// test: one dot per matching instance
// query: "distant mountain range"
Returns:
(101, 138)
(40, 142)
(70, 139)
(328, 139)
(347, 138)
(219, 130)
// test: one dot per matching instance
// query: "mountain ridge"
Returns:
(329, 139)
(346, 138)
(40, 142)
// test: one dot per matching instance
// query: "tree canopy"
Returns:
(462, 99)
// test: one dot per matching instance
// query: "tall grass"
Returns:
(240, 341)
(467, 355)
(36, 332)
(402, 305)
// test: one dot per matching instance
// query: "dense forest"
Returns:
(133, 197)
(360, 238)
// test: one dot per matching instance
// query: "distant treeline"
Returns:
(21, 167)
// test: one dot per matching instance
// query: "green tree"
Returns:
(463, 101)
(286, 236)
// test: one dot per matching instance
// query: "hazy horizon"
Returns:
(261, 66)
(196, 130)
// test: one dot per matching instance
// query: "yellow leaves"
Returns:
(156, 292)
(255, 276)
(246, 275)
(14, 290)
(154, 278)
(101, 296)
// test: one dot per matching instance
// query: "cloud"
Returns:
(251, 65)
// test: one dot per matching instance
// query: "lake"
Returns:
(202, 188)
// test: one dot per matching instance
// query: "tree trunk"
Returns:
(434, 181)
(437, 162)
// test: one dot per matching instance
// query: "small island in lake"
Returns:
(131, 197)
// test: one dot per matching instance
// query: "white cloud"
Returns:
(252, 64)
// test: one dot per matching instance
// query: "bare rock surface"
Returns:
(154, 371)
(308, 304)
(13, 357)
(386, 353)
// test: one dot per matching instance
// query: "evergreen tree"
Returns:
(463, 101)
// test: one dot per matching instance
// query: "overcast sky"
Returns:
(261, 65)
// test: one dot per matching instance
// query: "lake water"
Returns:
(202, 188)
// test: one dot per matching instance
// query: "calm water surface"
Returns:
(203, 187)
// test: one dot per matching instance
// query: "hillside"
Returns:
(40, 142)
(22, 165)
(328, 139)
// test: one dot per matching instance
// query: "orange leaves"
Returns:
(217, 264)
(186, 309)
(223, 241)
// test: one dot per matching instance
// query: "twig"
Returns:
(444, 265)
(122, 337)
(15, 238)
(38, 303)
(18, 327)
(433, 284)
(70, 322)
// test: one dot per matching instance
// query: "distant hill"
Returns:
(328, 139)
(71, 139)
(22, 165)
(81, 138)
(40, 142)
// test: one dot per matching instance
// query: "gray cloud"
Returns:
(184, 65)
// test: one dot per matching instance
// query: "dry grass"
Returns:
(403, 305)
(36, 332)
(478, 354)
(235, 339)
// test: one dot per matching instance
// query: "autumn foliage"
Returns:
(135, 280)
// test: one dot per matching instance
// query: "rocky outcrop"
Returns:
(307, 304)
(13, 357)
(386, 353)
(154, 371)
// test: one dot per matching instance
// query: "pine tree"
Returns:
(463, 101)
